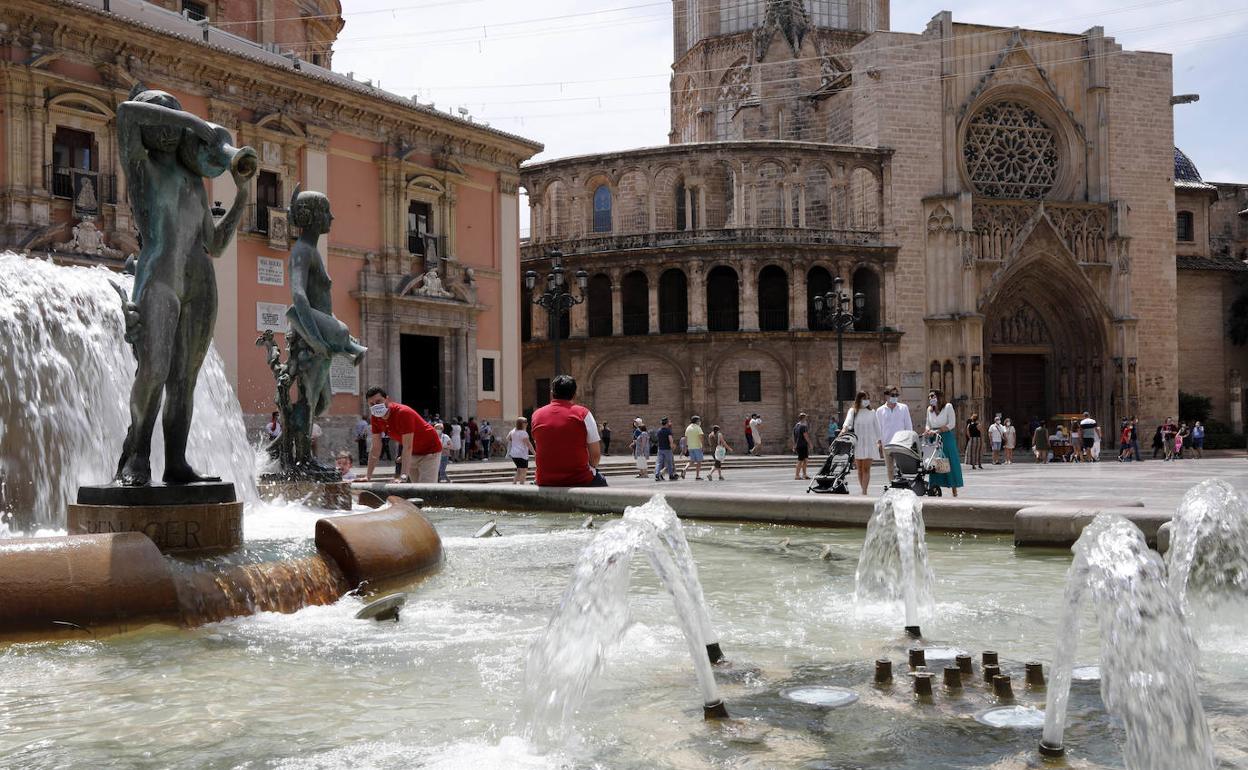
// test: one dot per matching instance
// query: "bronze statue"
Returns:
(315, 337)
(167, 153)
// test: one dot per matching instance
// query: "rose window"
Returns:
(1010, 152)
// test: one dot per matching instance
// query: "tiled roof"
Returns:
(1186, 174)
(1224, 262)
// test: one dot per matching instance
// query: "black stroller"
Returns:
(914, 457)
(831, 477)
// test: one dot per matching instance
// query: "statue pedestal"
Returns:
(179, 519)
(330, 495)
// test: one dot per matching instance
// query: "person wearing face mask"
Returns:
(862, 422)
(1010, 438)
(893, 417)
(420, 446)
(941, 421)
(996, 436)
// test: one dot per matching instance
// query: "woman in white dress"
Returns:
(862, 421)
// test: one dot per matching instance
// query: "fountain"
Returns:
(1208, 554)
(893, 564)
(1148, 657)
(593, 615)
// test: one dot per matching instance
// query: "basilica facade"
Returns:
(1004, 200)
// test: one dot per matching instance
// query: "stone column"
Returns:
(749, 296)
(652, 286)
(688, 209)
(394, 363)
(578, 320)
(1236, 401)
(697, 297)
(617, 304)
(539, 324)
(797, 297)
(462, 406)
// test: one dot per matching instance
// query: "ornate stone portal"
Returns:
(315, 337)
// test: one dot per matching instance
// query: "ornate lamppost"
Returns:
(556, 298)
(832, 311)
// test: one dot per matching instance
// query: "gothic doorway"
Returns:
(1018, 387)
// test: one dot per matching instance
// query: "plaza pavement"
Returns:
(1156, 483)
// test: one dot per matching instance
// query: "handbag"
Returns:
(940, 464)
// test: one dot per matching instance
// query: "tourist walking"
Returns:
(641, 447)
(442, 428)
(1180, 436)
(473, 445)
(487, 439)
(1135, 439)
(974, 442)
(1124, 442)
(749, 436)
(801, 445)
(457, 432)
(1090, 433)
(720, 447)
(361, 439)
(941, 421)
(1040, 442)
(565, 437)
(996, 437)
(834, 428)
(756, 431)
(1198, 440)
(1159, 442)
(1010, 439)
(862, 422)
(420, 446)
(893, 417)
(606, 438)
(519, 447)
(665, 462)
(693, 444)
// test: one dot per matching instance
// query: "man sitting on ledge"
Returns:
(565, 437)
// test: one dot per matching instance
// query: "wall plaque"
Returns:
(271, 272)
(343, 376)
(270, 316)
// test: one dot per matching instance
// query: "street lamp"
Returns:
(555, 298)
(832, 312)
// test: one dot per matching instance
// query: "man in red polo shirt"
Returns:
(565, 436)
(420, 446)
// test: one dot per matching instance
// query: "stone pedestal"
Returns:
(178, 519)
(331, 495)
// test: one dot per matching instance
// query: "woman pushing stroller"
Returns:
(863, 423)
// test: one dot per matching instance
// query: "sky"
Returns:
(587, 77)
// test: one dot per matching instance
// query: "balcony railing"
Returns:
(600, 326)
(673, 323)
(773, 320)
(87, 189)
(723, 320)
(636, 323)
(426, 245)
(598, 242)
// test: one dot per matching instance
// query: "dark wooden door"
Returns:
(1018, 389)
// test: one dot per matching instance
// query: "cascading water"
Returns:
(663, 518)
(65, 377)
(893, 563)
(593, 616)
(1208, 555)
(1148, 657)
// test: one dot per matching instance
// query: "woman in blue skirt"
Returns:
(942, 421)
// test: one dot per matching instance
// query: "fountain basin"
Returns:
(334, 496)
(92, 585)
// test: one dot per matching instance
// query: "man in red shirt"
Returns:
(420, 446)
(565, 436)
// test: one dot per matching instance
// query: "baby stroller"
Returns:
(914, 457)
(831, 477)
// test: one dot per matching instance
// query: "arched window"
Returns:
(598, 301)
(602, 209)
(1185, 228)
(673, 302)
(818, 283)
(686, 201)
(636, 301)
(867, 282)
(773, 299)
(864, 200)
(723, 300)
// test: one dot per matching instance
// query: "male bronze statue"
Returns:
(167, 154)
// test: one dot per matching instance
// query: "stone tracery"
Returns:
(1010, 152)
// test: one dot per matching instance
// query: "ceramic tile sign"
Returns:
(270, 272)
(270, 316)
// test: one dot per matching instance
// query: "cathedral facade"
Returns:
(1004, 200)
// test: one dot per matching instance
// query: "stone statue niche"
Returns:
(314, 338)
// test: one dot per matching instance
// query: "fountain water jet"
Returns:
(893, 564)
(64, 362)
(593, 616)
(1148, 658)
(1208, 555)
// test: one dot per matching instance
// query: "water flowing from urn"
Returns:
(65, 377)
(1148, 656)
(893, 564)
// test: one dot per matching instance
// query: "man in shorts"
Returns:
(1090, 432)
(693, 439)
